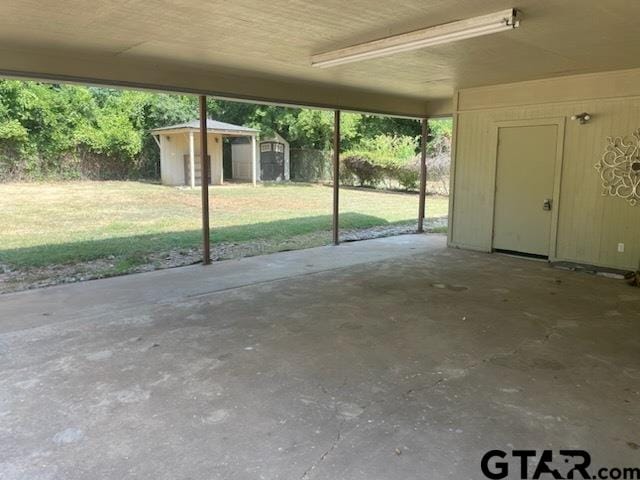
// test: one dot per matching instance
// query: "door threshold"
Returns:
(514, 253)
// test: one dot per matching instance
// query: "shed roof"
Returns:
(275, 137)
(212, 126)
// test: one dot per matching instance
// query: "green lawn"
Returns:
(62, 223)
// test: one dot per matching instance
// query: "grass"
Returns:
(45, 224)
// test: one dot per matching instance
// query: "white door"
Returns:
(524, 188)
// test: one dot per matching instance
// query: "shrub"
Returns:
(408, 176)
(381, 159)
(365, 171)
(385, 150)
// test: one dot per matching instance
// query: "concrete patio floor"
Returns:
(394, 358)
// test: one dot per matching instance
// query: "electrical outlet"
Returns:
(621, 248)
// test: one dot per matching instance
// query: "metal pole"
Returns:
(423, 175)
(204, 181)
(336, 177)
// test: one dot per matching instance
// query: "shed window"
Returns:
(265, 147)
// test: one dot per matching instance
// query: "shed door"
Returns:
(524, 188)
(271, 161)
(197, 169)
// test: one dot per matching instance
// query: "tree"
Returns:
(51, 130)
(373, 125)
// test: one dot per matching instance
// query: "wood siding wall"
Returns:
(590, 225)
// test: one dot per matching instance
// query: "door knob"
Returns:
(547, 204)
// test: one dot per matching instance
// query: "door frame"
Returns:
(274, 154)
(560, 123)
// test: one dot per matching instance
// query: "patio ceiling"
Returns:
(261, 50)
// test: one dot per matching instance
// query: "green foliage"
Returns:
(383, 157)
(441, 132)
(391, 159)
(314, 128)
(13, 130)
(303, 128)
(361, 170)
(374, 125)
(69, 131)
(111, 134)
(407, 176)
(385, 150)
(38, 124)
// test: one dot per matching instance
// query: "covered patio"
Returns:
(381, 359)
(403, 358)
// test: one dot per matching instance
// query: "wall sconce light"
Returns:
(582, 117)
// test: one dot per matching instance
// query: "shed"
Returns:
(180, 152)
(274, 158)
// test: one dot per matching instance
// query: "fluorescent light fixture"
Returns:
(427, 37)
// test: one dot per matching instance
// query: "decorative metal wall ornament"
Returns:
(620, 168)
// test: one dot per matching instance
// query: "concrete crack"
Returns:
(407, 394)
(545, 339)
(423, 388)
(309, 471)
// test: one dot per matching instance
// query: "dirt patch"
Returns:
(14, 280)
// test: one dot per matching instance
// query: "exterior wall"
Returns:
(173, 148)
(590, 225)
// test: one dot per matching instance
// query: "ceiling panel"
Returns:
(273, 41)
